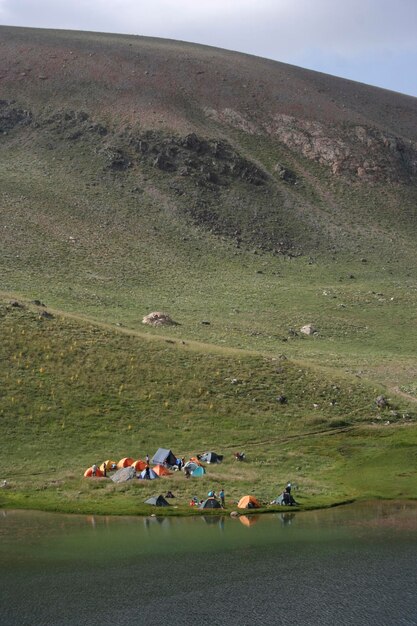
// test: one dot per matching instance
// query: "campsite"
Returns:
(166, 464)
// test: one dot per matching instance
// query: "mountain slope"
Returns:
(264, 153)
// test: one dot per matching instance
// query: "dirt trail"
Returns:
(403, 394)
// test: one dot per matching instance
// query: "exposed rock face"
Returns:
(11, 116)
(207, 161)
(355, 151)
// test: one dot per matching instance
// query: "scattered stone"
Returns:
(205, 322)
(381, 402)
(16, 305)
(285, 174)
(282, 399)
(308, 329)
(46, 315)
(38, 303)
(157, 318)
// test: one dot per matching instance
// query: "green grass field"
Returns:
(75, 393)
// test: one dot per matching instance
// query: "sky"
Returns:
(371, 41)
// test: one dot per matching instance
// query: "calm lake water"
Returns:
(351, 565)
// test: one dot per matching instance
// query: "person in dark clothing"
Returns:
(147, 473)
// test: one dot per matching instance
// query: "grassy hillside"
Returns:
(244, 197)
(75, 393)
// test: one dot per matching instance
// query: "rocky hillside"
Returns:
(265, 154)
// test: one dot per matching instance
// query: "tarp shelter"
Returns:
(164, 457)
(161, 470)
(124, 474)
(210, 503)
(198, 471)
(139, 465)
(148, 474)
(109, 465)
(248, 502)
(212, 457)
(89, 472)
(157, 501)
(127, 461)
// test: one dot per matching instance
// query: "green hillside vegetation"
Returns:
(75, 393)
(245, 198)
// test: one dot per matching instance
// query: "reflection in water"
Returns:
(249, 520)
(287, 518)
(214, 520)
(351, 565)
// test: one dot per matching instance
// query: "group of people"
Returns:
(211, 494)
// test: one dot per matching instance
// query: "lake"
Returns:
(354, 564)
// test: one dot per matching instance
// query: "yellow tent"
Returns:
(107, 465)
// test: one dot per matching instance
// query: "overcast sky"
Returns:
(372, 41)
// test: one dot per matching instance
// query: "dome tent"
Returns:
(139, 465)
(210, 503)
(248, 502)
(125, 462)
(89, 473)
(198, 471)
(109, 465)
(161, 470)
(157, 501)
(148, 474)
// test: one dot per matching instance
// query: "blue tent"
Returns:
(198, 471)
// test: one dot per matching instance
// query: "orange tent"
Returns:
(89, 472)
(126, 462)
(139, 465)
(161, 470)
(248, 502)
